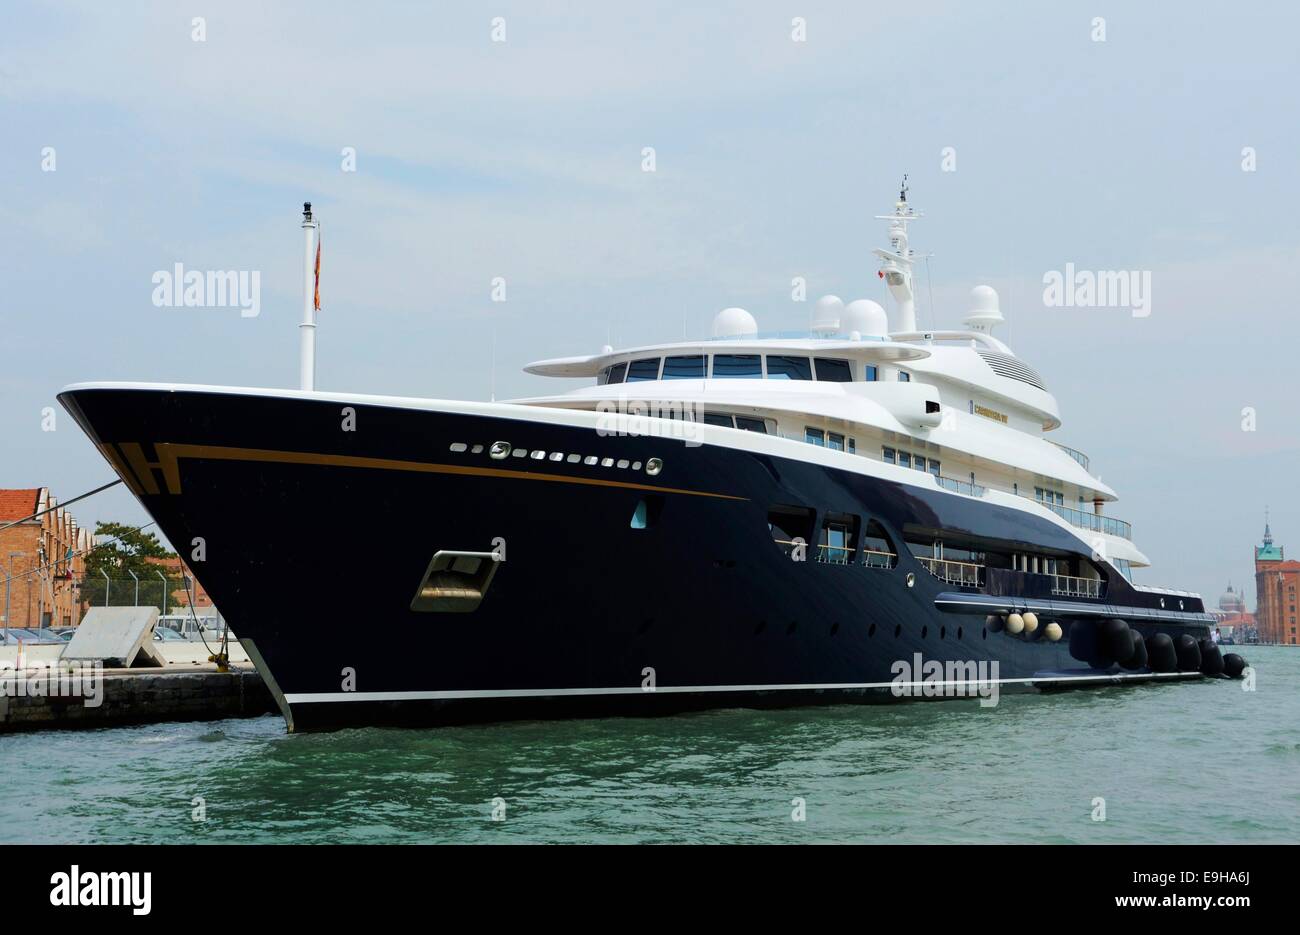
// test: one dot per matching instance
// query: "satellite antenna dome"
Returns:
(866, 317)
(606, 349)
(984, 311)
(734, 323)
(826, 314)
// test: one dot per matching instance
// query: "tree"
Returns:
(128, 550)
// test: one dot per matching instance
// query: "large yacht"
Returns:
(750, 520)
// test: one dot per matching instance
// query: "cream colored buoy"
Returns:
(1031, 622)
(1015, 623)
(1052, 631)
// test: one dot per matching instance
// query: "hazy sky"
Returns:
(523, 159)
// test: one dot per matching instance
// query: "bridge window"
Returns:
(719, 418)
(689, 367)
(641, 370)
(830, 370)
(870, 373)
(788, 368)
(617, 373)
(745, 423)
(737, 366)
(814, 436)
(904, 377)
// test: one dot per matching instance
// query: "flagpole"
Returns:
(307, 329)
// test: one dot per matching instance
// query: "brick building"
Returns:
(1277, 581)
(43, 558)
(175, 567)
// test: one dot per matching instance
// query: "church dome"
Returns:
(1231, 603)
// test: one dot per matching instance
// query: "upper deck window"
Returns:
(780, 367)
(747, 424)
(737, 366)
(831, 370)
(642, 370)
(690, 367)
(904, 377)
(870, 372)
(617, 373)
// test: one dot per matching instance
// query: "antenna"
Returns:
(307, 328)
(896, 263)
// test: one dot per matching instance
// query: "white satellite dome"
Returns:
(865, 318)
(984, 311)
(734, 323)
(826, 314)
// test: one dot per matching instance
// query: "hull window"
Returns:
(837, 544)
(877, 549)
(791, 528)
(646, 513)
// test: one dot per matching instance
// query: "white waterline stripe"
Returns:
(313, 697)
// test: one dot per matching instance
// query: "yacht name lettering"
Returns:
(990, 413)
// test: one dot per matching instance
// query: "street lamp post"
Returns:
(107, 584)
(137, 586)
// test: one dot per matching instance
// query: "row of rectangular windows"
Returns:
(832, 440)
(739, 367)
(908, 460)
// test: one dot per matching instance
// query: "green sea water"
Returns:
(1191, 762)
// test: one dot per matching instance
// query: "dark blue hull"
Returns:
(317, 539)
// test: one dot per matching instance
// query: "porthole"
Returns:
(654, 466)
(911, 579)
(538, 455)
(984, 633)
(476, 450)
(898, 630)
(590, 459)
(574, 459)
(557, 455)
(606, 462)
(499, 450)
(459, 447)
(943, 633)
(623, 463)
(636, 465)
(519, 453)
(925, 631)
(871, 630)
(959, 633)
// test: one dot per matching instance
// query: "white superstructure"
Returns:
(957, 409)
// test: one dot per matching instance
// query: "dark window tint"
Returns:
(904, 377)
(834, 371)
(751, 425)
(887, 454)
(814, 436)
(934, 467)
(617, 373)
(877, 550)
(733, 366)
(835, 441)
(788, 524)
(684, 368)
(904, 459)
(646, 369)
(788, 368)
(717, 418)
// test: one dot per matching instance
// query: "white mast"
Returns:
(896, 263)
(307, 329)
